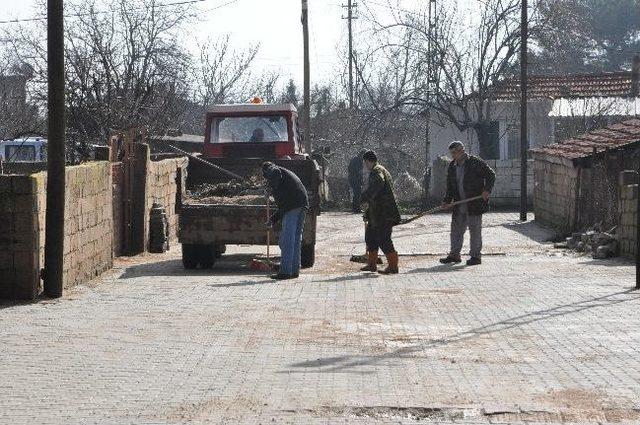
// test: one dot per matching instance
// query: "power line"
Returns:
(104, 12)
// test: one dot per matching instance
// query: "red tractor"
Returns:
(239, 138)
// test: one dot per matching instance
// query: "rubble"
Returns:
(600, 245)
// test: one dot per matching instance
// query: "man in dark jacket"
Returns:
(355, 177)
(380, 215)
(292, 201)
(467, 177)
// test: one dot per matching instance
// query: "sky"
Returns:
(275, 24)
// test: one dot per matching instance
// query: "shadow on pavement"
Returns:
(242, 283)
(440, 268)
(531, 230)
(341, 363)
(228, 265)
(346, 278)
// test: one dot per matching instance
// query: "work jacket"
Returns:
(382, 209)
(288, 191)
(478, 177)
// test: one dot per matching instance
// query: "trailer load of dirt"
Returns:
(247, 192)
(230, 200)
(253, 185)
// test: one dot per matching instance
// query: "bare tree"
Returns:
(126, 67)
(468, 64)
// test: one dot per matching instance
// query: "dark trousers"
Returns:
(356, 197)
(379, 237)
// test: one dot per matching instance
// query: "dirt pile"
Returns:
(247, 192)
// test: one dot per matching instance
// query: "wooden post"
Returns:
(54, 232)
(524, 145)
(307, 78)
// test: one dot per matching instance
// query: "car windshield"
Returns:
(249, 129)
(20, 153)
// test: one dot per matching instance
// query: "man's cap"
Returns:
(370, 156)
(267, 167)
(456, 144)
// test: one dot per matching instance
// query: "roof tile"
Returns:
(608, 84)
(613, 136)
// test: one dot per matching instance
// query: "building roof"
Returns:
(607, 84)
(249, 107)
(613, 137)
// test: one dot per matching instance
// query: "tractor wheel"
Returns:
(207, 254)
(190, 256)
(308, 256)
(220, 249)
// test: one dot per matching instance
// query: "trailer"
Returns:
(238, 139)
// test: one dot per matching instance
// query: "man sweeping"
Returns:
(381, 214)
(467, 177)
(293, 202)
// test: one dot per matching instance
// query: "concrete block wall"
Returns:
(163, 187)
(506, 191)
(117, 197)
(88, 242)
(628, 220)
(554, 193)
(19, 239)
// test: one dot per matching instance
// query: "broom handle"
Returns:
(268, 230)
(438, 208)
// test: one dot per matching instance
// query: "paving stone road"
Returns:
(532, 336)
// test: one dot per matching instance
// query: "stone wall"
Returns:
(95, 227)
(23, 167)
(88, 240)
(555, 192)
(506, 191)
(19, 240)
(628, 214)
(165, 184)
(117, 197)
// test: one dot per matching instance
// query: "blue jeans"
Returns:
(290, 241)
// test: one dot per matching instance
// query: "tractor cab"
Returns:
(253, 130)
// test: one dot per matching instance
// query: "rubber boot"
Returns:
(372, 262)
(392, 268)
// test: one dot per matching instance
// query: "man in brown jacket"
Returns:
(380, 215)
(467, 177)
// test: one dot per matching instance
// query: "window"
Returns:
(489, 139)
(19, 153)
(250, 129)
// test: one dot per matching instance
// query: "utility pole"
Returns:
(307, 78)
(524, 142)
(350, 6)
(54, 233)
(432, 88)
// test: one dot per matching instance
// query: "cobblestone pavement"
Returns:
(531, 336)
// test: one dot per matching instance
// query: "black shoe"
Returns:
(450, 260)
(282, 276)
(474, 261)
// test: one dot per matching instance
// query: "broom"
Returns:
(265, 265)
(363, 258)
